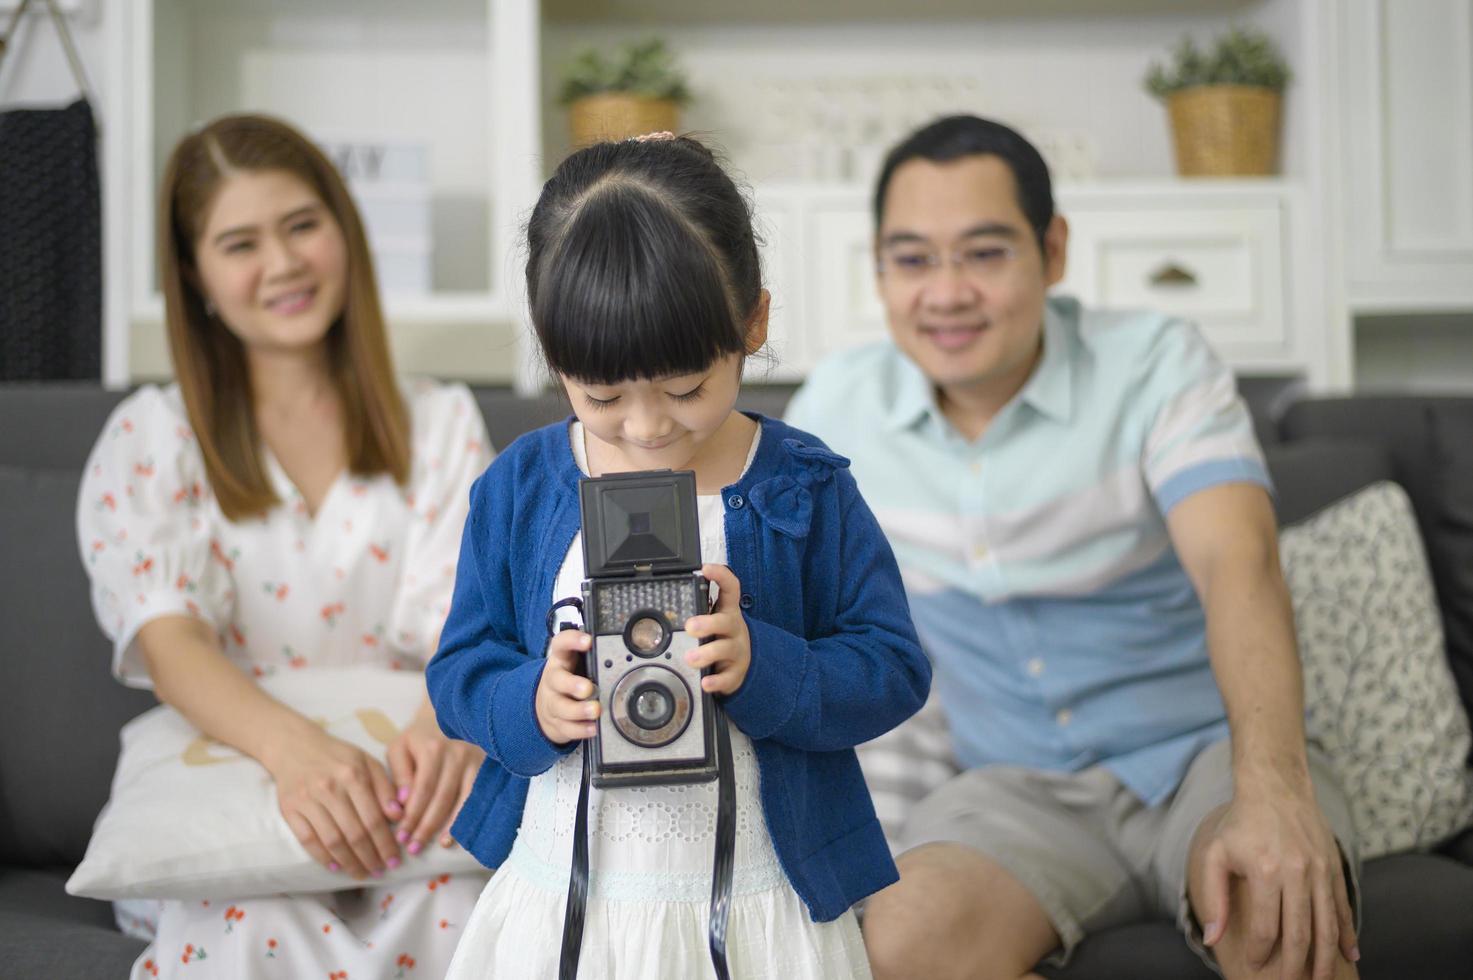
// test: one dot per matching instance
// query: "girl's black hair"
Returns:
(641, 262)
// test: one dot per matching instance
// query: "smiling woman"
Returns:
(261, 252)
(288, 505)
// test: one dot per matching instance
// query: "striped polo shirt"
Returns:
(1063, 629)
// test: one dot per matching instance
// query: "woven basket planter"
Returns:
(618, 116)
(1225, 130)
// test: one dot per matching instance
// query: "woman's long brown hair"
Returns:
(210, 362)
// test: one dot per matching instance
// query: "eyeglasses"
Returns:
(980, 263)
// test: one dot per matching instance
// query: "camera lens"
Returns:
(647, 633)
(650, 706)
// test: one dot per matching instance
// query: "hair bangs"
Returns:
(632, 291)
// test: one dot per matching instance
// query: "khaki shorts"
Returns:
(1090, 851)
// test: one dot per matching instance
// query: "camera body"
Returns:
(642, 556)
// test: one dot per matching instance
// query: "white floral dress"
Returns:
(650, 852)
(365, 580)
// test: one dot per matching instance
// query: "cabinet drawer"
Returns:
(1222, 268)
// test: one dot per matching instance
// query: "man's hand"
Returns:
(1277, 841)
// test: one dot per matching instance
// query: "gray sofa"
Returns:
(61, 711)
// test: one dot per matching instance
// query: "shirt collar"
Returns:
(913, 397)
(1049, 389)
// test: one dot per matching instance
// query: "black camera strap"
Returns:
(577, 880)
(725, 859)
(721, 868)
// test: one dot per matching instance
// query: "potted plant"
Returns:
(1224, 104)
(638, 89)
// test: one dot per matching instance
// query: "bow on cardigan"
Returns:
(784, 501)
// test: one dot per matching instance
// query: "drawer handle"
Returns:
(1173, 275)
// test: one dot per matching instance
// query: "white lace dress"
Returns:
(365, 580)
(650, 853)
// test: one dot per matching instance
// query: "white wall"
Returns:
(35, 70)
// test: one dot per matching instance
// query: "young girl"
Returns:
(286, 505)
(645, 291)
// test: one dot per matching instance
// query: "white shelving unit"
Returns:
(1276, 269)
(443, 74)
(1408, 102)
(1225, 254)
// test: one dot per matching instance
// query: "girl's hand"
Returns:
(337, 799)
(564, 712)
(729, 650)
(434, 775)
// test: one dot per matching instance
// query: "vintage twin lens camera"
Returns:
(642, 553)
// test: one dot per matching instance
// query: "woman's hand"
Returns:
(564, 711)
(434, 775)
(728, 650)
(337, 799)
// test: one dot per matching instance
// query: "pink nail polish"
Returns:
(402, 836)
(334, 867)
(393, 863)
(377, 872)
(403, 794)
(415, 847)
(1355, 954)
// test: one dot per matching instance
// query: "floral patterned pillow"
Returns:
(191, 818)
(1379, 694)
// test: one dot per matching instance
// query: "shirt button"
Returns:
(735, 502)
(979, 552)
(976, 466)
(1035, 666)
(1064, 716)
(746, 600)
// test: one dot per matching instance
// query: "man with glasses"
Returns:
(1082, 515)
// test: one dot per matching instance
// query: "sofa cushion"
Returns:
(1414, 924)
(1415, 919)
(53, 424)
(1451, 544)
(46, 933)
(508, 414)
(1428, 441)
(1380, 698)
(1310, 475)
(63, 710)
(1141, 950)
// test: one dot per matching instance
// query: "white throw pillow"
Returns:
(1380, 696)
(190, 818)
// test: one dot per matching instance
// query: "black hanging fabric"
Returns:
(50, 237)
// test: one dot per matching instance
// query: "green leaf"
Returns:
(646, 68)
(1242, 56)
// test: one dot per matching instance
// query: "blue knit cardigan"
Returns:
(835, 659)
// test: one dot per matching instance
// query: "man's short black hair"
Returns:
(954, 137)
